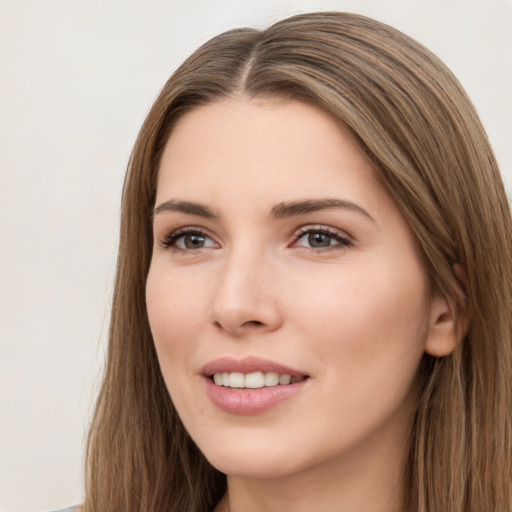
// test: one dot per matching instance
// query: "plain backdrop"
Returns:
(77, 78)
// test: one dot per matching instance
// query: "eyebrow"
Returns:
(296, 208)
(187, 207)
(279, 211)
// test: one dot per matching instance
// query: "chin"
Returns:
(256, 468)
(251, 459)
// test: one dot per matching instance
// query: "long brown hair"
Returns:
(414, 121)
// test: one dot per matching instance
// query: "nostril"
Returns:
(253, 323)
(240, 329)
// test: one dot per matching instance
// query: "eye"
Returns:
(321, 238)
(188, 239)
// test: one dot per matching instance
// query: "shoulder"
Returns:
(67, 509)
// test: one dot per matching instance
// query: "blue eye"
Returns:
(321, 238)
(188, 239)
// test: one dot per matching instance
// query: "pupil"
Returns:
(319, 240)
(194, 241)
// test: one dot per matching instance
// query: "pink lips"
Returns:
(247, 365)
(249, 401)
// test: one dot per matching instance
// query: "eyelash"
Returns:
(343, 242)
(169, 242)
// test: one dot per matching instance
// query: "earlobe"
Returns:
(449, 321)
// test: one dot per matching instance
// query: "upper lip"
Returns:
(248, 364)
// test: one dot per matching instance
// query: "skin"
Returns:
(356, 315)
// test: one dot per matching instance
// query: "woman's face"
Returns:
(280, 257)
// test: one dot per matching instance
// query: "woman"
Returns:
(313, 293)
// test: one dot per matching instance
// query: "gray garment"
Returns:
(68, 509)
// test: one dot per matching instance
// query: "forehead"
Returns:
(263, 149)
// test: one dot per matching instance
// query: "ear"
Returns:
(449, 321)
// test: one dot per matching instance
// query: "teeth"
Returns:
(236, 380)
(253, 380)
(284, 379)
(271, 379)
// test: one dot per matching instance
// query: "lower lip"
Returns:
(250, 401)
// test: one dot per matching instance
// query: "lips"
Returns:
(251, 385)
(246, 365)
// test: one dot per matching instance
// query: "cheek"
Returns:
(368, 322)
(176, 311)
(366, 339)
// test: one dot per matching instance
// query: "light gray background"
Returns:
(77, 78)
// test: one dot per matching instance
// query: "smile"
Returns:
(254, 380)
(251, 385)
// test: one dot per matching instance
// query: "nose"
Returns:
(246, 298)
